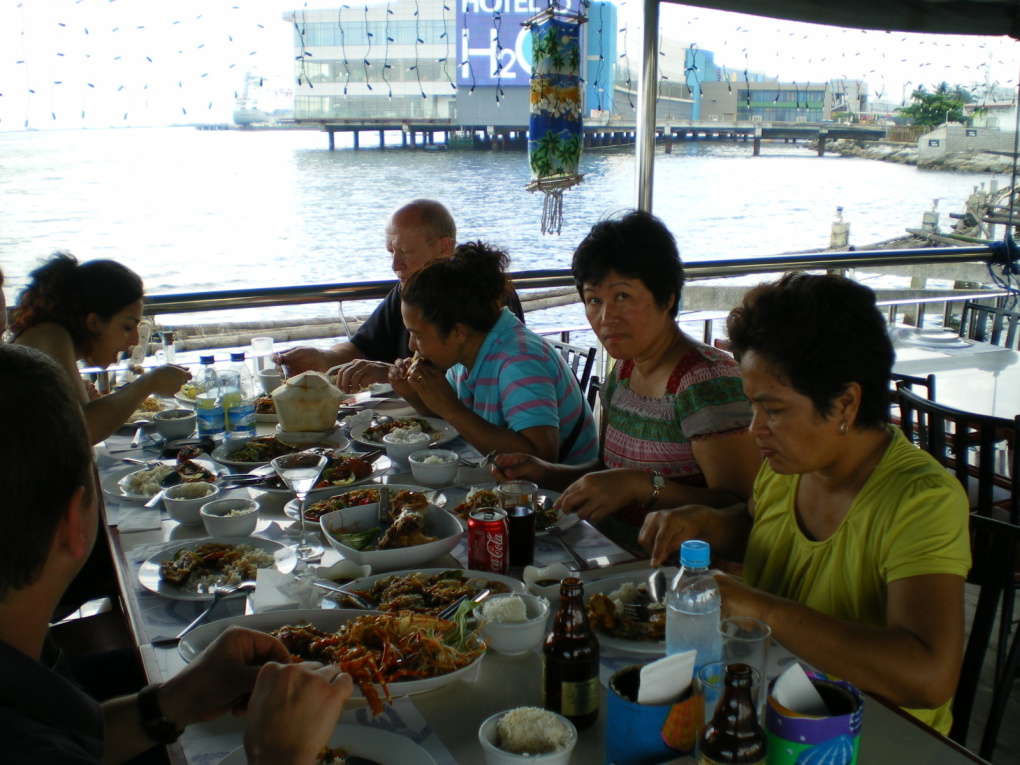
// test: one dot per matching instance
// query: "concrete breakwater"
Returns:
(907, 154)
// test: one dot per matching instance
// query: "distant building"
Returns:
(429, 61)
(773, 101)
(995, 115)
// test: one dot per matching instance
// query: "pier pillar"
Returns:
(332, 142)
(357, 138)
(403, 138)
(382, 139)
(757, 142)
(822, 135)
(669, 142)
(411, 134)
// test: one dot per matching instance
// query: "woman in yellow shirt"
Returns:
(855, 543)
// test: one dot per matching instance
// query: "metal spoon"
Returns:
(379, 420)
(657, 586)
(218, 594)
(557, 533)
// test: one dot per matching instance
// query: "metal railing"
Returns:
(265, 297)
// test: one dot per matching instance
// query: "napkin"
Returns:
(138, 519)
(554, 571)
(342, 569)
(359, 420)
(794, 690)
(280, 592)
(666, 680)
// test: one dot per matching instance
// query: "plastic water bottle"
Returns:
(692, 607)
(239, 398)
(208, 403)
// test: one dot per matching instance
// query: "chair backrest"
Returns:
(997, 544)
(988, 324)
(580, 360)
(968, 444)
(927, 384)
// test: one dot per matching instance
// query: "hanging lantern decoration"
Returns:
(555, 134)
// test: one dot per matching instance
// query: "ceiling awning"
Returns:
(967, 17)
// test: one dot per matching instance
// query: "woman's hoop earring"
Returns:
(842, 428)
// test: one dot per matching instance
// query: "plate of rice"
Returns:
(439, 431)
(139, 484)
(224, 561)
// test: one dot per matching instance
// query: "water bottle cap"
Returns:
(206, 359)
(695, 554)
(239, 356)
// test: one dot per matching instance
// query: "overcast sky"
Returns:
(100, 63)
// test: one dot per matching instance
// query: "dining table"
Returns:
(969, 375)
(444, 722)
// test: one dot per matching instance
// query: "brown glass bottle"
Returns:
(570, 660)
(733, 737)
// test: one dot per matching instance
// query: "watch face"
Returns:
(658, 481)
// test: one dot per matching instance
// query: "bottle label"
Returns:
(704, 759)
(579, 698)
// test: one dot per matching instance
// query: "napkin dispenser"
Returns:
(811, 717)
(307, 402)
(656, 715)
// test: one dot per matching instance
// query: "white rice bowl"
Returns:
(530, 730)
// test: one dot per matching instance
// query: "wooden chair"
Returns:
(926, 383)
(580, 360)
(989, 324)
(969, 445)
(997, 544)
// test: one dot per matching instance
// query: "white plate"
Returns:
(442, 427)
(434, 496)
(459, 493)
(514, 585)
(606, 586)
(113, 484)
(438, 523)
(372, 743)
(200, 638)
(222, 452)
(149, 578)
(379, 468)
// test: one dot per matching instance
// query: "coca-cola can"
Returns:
(488, 541)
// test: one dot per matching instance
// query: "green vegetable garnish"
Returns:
(358, 540)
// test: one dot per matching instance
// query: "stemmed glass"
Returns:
(300, 472)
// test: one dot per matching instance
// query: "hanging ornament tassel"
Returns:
(555, 134)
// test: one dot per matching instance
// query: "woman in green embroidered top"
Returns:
(674, 414)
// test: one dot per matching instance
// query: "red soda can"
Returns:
(488, 541)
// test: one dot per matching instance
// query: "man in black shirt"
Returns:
(417, 234)
(50, 518)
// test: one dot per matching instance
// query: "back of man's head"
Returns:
(434, 218)
(45, 455)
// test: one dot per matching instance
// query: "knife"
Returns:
(359, 601)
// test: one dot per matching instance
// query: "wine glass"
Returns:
(300, 472)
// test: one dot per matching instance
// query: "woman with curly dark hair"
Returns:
(90, 312)
(479, 368)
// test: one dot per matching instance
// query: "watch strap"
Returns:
(154, 723)
(657, 483)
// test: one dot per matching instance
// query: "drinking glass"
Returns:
(746, 640)
(300, 472)
(518, 499)
(261, 350)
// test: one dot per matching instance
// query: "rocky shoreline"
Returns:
(906, 154)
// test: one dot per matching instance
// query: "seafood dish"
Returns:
(606, 614)
(386, 648)
(264, 404)
(146, 482)
(262, 449)
(213, 564)
(422, 593)
(412, 500)
(413, 424)
(341, 469)
(476, 499)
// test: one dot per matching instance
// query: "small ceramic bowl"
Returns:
(545, 580)
(488, 736)
(184, 501)
(512, 638)
(434, 467)
(236, 517)
(175, 423)
(399, 451)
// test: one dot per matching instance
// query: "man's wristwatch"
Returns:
(658, 484)
(155, 725)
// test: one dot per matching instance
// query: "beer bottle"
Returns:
(570, 660)
(733, 737)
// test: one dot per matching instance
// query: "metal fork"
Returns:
(636, 611)
(219, 594)
(384, 506)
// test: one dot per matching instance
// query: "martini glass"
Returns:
(301, 472)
